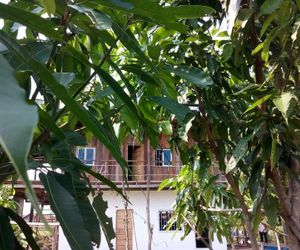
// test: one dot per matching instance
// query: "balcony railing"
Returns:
(138, 171)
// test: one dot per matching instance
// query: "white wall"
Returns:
(161, 240)
(159, 201)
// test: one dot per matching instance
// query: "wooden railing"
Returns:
(137, 170)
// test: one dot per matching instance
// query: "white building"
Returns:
(148, 168)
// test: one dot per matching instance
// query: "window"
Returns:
(164, 217)
(163, 157)
(86, 155)
(205, 236)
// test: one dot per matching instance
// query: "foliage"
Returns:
(6, 197)
(110, 68)
(73, 69)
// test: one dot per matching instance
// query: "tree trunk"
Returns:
(289, 199)
(149, 225)
(245, 212)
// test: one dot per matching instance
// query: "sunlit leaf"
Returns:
(191, 74)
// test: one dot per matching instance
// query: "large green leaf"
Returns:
(193, 75)
(100, 20)
(189, 11)
(60, 91)
(77, 164)
(149, 10)
(271, 211)
(255, 178)
(269, 6)
(181, 111)
(18, 120)
(64, 78)
(79, 190)
(40, 51)
(283, 103)
(49, 5)
(258, 102)
(106, 223)
(26, 229)
(30, 20)
(7, 240)
(67, 212)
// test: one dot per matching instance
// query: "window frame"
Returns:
(162, 162)
(85, 155)
(163, 226)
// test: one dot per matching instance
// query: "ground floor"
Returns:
(135, 231)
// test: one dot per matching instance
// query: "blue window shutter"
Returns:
(167, 157)
(89, 159)
(80, 154)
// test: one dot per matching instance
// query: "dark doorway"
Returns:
(132, 158)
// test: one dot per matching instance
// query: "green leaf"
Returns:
(30, 20)
(154, 52)
(189, 11)
(270, 208)
(40, 51)
(270, 6)
(257, 49)
(255, 177)
(240, 150)
(79, 190)
(90, 122)
(130, 42)
(243, 17)
(166, 127)
(257, 103)
(47, 121)
(266, 147)
(7, 240)
(266, 44)
(100, 177)
(101, 21)
(117, 3)
(26, 229)
(191, 74)
(49, 6)
(149, 10)
(106, 223)
(64, 78)
(119, 91)
(16, 126)
(283, 103)
(227, 52)
(295, 30)
(181, 111)
(67, 212)
(267, 23)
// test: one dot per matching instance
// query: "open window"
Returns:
(205, 236)
(163, 157)
(86, 155)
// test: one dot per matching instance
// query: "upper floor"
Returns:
(145, 164)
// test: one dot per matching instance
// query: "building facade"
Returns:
(147, 168)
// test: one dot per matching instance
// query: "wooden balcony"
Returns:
(139, 173)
